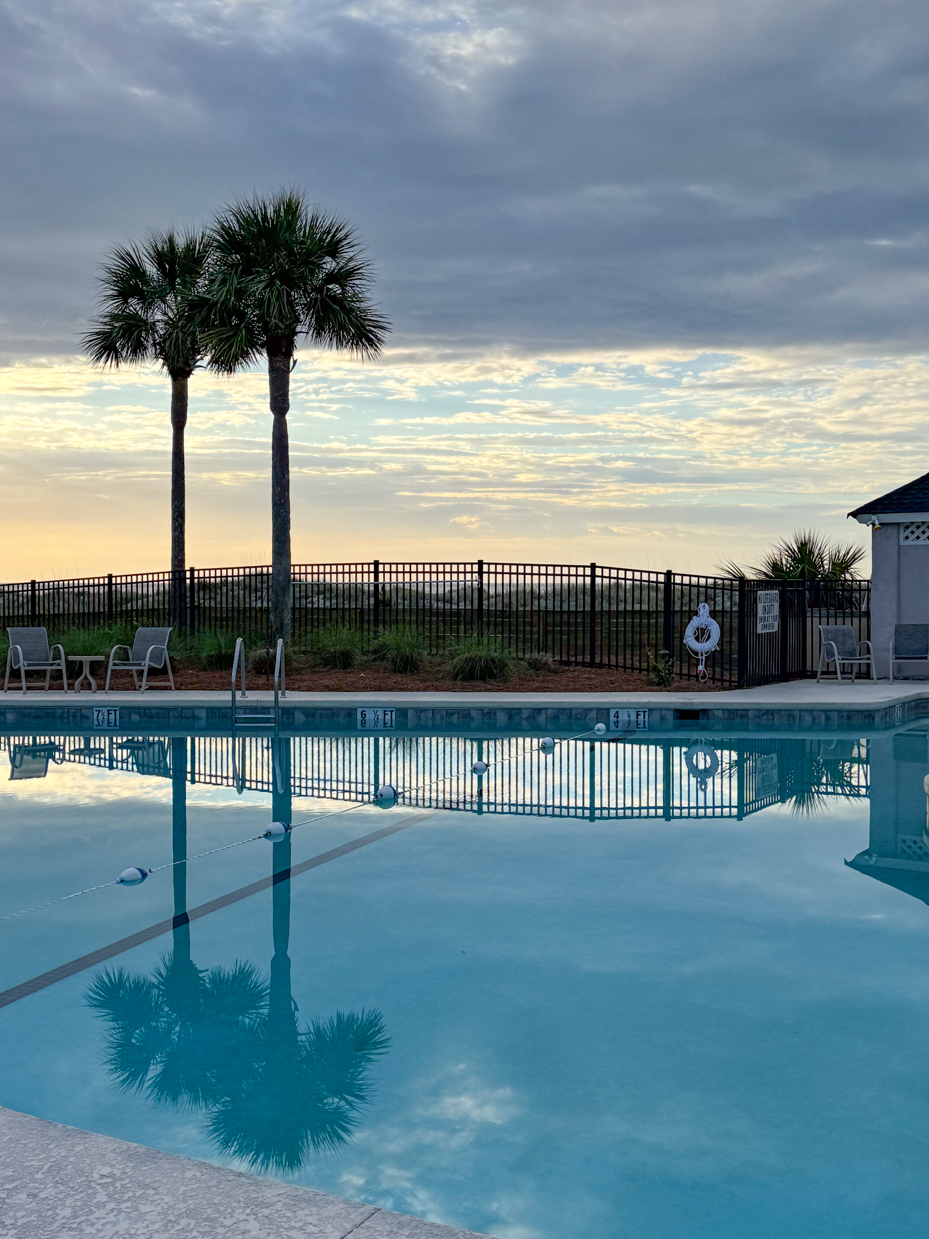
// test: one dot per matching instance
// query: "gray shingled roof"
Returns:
(913, 497)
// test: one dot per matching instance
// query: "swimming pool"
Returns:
(632, 988)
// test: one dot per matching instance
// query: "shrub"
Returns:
(261, 662)
(217, 650)
(660, 669)
(401, 648)
(338, 647)
(478, 658)
(541, 662)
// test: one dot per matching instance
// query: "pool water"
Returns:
(632, 989)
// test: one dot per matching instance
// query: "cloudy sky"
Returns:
(657, 272)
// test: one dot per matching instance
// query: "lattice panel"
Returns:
(914, 531)
(913, 847)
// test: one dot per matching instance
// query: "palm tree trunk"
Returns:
(178, 594)
(280, 354)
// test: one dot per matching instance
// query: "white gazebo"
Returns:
(899, 524)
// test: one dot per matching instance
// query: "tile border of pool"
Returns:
(796, 706)
(60, 1182)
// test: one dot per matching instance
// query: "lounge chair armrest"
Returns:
(152, 649)
(60, 648)
(861, 646)
(19, 651)
(119, 647)
(833, 657)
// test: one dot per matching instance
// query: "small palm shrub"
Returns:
(338, 647)
(478, 658)
(660, 668)
(401, 648)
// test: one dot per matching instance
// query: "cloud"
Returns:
(545, 177)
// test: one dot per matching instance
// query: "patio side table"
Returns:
(85, 660)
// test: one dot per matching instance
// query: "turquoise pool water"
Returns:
(632, 989)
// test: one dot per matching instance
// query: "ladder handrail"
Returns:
(239, 654)
(280, 674)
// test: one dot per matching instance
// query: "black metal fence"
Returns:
(620, 779)
(588, 615)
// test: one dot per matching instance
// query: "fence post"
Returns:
(33, 603)
(109, 598)
(667, 613)
(592, 617)
(480, 597)
(191, 600)
(742, 638)
(376, 620)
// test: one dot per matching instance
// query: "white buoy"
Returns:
(479, 767)
(547, 746)
(600, 729)
(276, 832)
(132, 877)
(386, 796)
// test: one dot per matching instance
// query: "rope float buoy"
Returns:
(702, 637)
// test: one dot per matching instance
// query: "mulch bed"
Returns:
(376, 680)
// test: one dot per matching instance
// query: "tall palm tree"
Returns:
(283, 269)
(147, 312)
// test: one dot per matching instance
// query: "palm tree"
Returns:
(283, 269)
(225, 1043)
(300, 1089)
(147, 312)
(804, 556)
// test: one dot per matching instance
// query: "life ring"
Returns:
(701, 771)
(701, 637)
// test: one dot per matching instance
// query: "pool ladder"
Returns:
(245, 716)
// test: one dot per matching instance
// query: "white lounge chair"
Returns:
(840, 645)
(149, 652)
(910, 644)
(29, 651)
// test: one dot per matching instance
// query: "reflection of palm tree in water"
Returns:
(224, 1042)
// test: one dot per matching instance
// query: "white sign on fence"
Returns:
(106, 718)
(373, 718)
(769, 610)
(629, 720)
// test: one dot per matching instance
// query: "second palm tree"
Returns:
(283, 269)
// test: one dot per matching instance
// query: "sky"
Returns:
(656, 271)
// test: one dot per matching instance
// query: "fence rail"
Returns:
(583, 615)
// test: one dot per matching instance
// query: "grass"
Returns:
(479, 658)
(338, 647)
(402, 648)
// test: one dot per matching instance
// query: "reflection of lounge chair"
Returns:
(30, 761)
(149, 756)
(149, 652)
(29, 651)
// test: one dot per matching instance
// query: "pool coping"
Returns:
(59, 1182)
(800, 705)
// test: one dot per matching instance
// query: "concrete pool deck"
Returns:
(797, 705)
(62, 1183)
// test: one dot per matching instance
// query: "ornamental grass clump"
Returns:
(402, 648)
(337, 648)
(541, 662)
(479, 658)
(217, 650)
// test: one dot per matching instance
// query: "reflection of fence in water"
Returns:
(607, 779)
